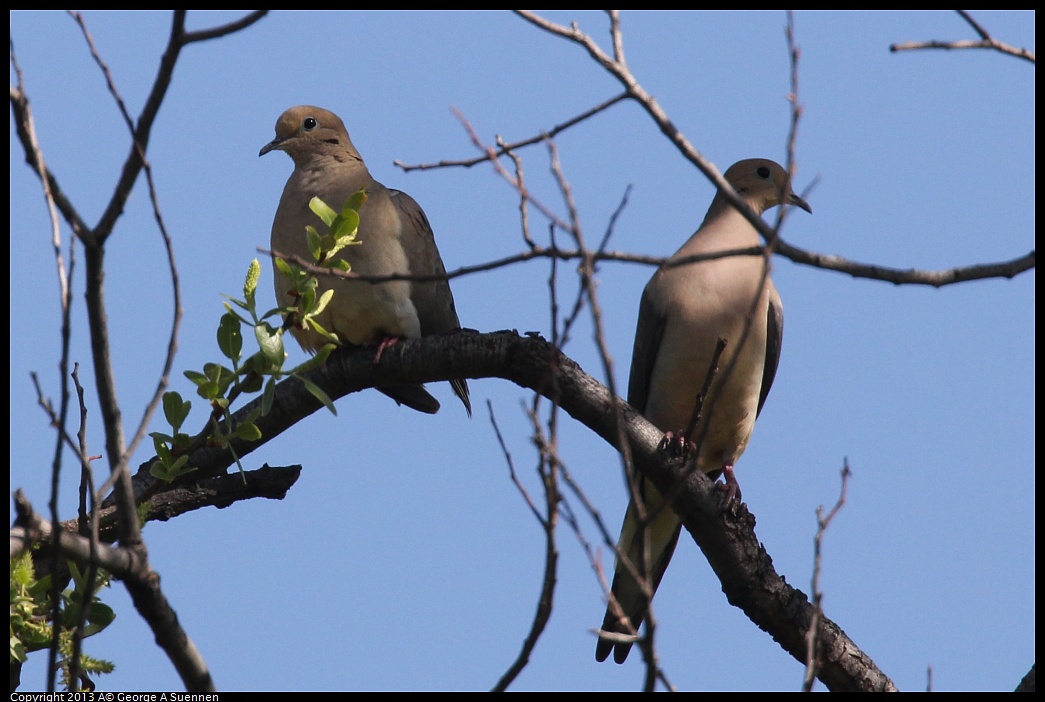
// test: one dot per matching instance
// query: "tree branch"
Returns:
(986, 42)
(130, 564)
(730, 544)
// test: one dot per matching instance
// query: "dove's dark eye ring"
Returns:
(309, 124)
(762, 172)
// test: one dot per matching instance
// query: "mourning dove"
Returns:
(396, 238)
(683, 313)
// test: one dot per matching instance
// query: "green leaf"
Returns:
(78, 576)
(160, 438)
(238, 303)
(175, 410)
(213, 382)
(314, 242)
(322, 303)
(178, 467)
(316, 361)
(270, 341)
(230, 339)
(220, 376)
(283, 266)
(248, 431)
(322, 210)
(100, 616)
(22, 570)
(241, 318)
(251, 383)
(274, 312)
(307, 300)
(346, 228)
(208, 390)
(316, 327)
(354, 201)
(268, 396)
(181, 442)
(169, 471)
(162, 452)
(318, 393)
(159, 471)
(195, 376)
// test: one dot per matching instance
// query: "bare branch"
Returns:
(503, 149)
(634, 90)
(616, 36)
(30, 528)
(986, 42)
(224, 29)
(519, 186)
(88, 525)
(24, 127)
(796, 116)
(548, 470)
(142, 127)
(588, 293)
(524, 211)
(35, 154)
(698, 402)
(812, 640)
(511, 468)
(172, 341)
(908, 276)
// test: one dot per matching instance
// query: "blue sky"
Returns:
(404, 558)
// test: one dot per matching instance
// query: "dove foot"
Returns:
(677, 444)
(732, 487)
(385, 344)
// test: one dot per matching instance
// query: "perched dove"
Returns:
(396, 238)
(683, 313)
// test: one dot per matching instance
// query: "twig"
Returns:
(88, 528)
(503, 149)
(511, 467)
(698, 401)
(986, 42)
(520, 187)
(634, 89)
(908, 276)
(812, 634)
(224, 29)
(524, 212)
(172, 340)
(548, 470)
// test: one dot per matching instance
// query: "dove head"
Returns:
(304, 132)
(763, 184)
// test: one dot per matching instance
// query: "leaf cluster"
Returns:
(220, 385)
(32, 618)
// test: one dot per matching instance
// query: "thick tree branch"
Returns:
(729, 543)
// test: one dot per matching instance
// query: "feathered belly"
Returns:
(728, 413)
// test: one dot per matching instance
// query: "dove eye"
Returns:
(762, 172)
(309, 124)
